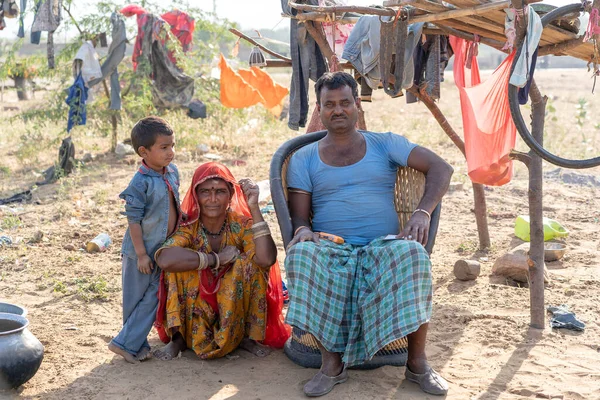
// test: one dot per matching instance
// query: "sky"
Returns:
(250, 14)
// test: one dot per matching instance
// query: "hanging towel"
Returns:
(523, 65)
(91, 66)
(490, 132)
(235, 91)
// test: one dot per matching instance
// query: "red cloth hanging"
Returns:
(490, 132)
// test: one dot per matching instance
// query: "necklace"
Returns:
(215, 235)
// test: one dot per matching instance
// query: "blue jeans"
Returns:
(139, 306)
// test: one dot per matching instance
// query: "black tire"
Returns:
(515, 109)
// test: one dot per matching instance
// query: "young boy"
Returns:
(153, 213)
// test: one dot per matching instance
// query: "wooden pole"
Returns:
(559, 48)
(260, 46)
(536, 225)
(478, 190)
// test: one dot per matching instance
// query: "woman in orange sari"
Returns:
(216, 269)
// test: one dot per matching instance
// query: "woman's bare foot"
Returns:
(130, 358)
(171, 350)
(143, 354)
(259, 350)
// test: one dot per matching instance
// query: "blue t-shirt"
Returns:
(355, 202)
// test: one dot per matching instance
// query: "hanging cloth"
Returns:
(78, 94)
(272, 92)
(490, 132)
(235, 91)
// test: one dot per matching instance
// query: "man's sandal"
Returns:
(430, 382)
(321, 384)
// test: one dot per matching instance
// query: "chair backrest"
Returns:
(409, 189)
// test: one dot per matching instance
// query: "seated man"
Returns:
(361, 295)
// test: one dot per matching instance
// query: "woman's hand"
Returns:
(227, 255)
(251, 192)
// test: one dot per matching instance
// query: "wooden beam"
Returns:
(560, 48)
(320, 17)
(342, 9)
(470, 37)
(260, 46)
(462, 12)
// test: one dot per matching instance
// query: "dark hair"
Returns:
(336, 80)
(146, 130)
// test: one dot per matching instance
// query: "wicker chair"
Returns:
(410, 184)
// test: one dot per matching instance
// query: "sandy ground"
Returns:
(479, 336)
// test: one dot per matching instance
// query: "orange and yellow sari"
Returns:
(241, 296)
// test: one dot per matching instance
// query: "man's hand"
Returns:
(227, 255)
(417, 228)
(304, 235)
(251, 191)
(145, 264)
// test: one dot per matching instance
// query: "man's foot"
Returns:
(143, 354)
(169, 352)
(130, 358)
(252, 346)
(321, 384)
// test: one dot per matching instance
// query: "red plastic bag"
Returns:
(490, 132)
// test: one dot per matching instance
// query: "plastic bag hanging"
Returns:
(257, 58)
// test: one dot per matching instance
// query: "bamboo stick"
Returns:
(260, 46)
(319, 17)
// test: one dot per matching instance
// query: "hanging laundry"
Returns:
(235, 91)
(78, 94)
(48, 16)
(307, 64)
(522, 68)
(182, 27)
(272, 92)
(90, 68)
(116, 53)
(363, 50)
(21, 32)
(337, 34)
(490, 132)
(8, 9)
(170, 86)
(35, 37)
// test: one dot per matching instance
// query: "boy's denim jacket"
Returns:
(147, 203)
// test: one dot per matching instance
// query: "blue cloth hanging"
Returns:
(78, 94)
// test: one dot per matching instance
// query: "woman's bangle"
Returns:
(217, 261)
(423, 211)
(298, 229)
(202, 261)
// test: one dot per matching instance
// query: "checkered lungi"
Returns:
(357, 299)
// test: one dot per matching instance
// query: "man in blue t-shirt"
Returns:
(358, 293)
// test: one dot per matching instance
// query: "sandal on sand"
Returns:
(430, 382)
(321, 384)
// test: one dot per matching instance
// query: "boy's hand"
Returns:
(145, 264)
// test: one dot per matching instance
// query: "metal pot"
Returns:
(20, 352)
